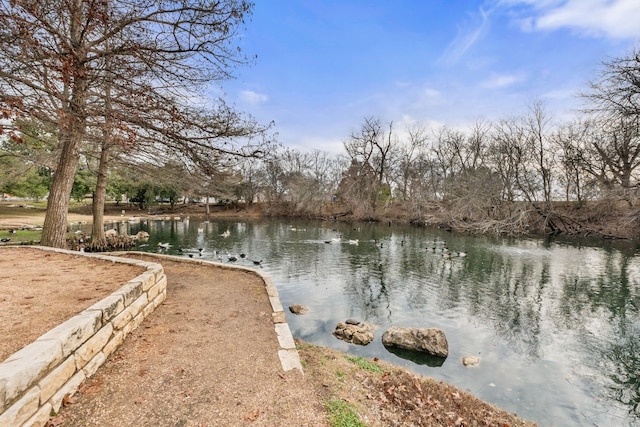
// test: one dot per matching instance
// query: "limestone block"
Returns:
(139, 304)
(272, 291)
(121, 321)
(158, 300)
(158, 272)
(69, 388)
(156, 289)
(25, 367)
(92, 366)
(116, 341)
(75, 331)
(276, 305)
(89, 349)
(110, 307)
(279, 317)
(40, 418)
(284, 336)
(56, 379)
(147, 279)
(23, 409)
(148, 309)
(289, 359)
(131, 290)
(136, 321)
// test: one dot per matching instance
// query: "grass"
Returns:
(342, 414)
(365, 364)
(21, 236)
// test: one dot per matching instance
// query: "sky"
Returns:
(322, 66)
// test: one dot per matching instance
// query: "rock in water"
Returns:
(470, 360)
(298, 309)
(428, 340)
(360, 333)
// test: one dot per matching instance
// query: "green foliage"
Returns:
(342, 414)
(84, 183)
(32, 183)
(365, 364)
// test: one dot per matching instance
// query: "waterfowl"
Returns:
(257, 262)
(462, 253)
(226, 234)
(242, 255)
(164, 245)
(232, 258)
(354, 241)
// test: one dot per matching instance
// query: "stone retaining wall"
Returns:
(35, 380)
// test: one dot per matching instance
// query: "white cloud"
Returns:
(466, 38)
(616, 19)
(253, 98)
(499, 81)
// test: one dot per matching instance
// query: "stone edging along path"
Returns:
(35, 380)
(288, 354)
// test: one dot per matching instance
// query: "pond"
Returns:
(556, 324)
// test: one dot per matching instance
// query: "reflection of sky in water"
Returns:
(556, 325)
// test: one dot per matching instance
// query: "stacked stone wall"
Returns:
(35, 380)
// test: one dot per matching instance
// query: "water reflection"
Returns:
(556, 324)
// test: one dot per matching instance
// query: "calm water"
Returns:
(556, 325)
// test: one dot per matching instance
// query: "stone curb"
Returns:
(288, 353)
(35, 380)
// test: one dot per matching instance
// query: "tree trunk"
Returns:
(98, 238)
(72, 130)
(54, 231)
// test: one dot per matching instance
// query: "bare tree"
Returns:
(51, 53)
(536, 124)
(616, 91)
(407, 153)
(570, 142)
(370, 148)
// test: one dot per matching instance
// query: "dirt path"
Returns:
(206, 357)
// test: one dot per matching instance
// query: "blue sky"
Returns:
(322, 66)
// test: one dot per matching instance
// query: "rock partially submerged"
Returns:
(470, 360)
(355, 332)
(298, 309)
(428, 340)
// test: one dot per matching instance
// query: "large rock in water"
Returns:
(428, 340)
(355, 332)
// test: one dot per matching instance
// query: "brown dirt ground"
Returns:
(208, 357)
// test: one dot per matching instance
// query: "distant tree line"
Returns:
(101, 98)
